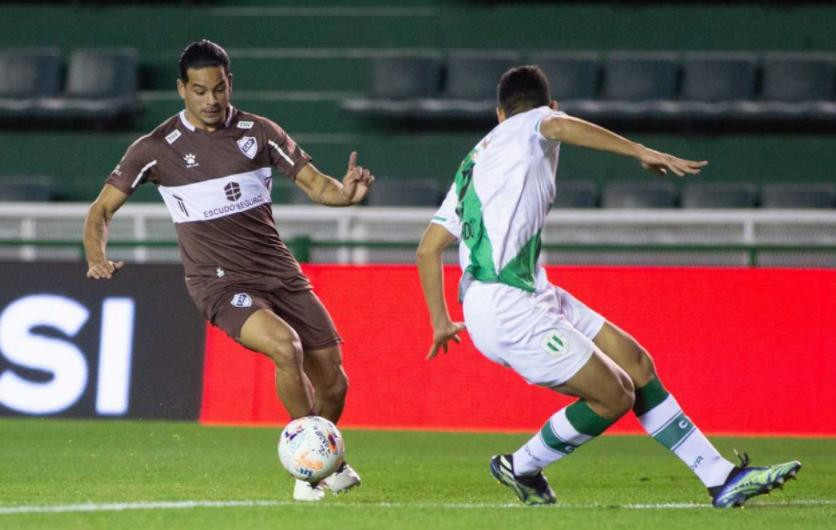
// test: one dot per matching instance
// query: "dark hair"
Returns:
(202, 54)
(522, 88)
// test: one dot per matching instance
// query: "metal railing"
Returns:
(143, 232)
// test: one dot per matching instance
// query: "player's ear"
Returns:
(553, 105)
(181, 88)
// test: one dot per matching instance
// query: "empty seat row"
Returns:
(571, 193)
(100, 85)
(694, 85)
(666, 194)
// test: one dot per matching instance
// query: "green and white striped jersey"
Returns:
(498, 203)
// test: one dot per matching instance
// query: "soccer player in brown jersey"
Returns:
(212, 165)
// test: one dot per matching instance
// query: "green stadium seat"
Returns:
(25, 188)
(473, 74)
(101, 88)
(719, 195)
(798, 77)
(640, 76)
(639, 194)
(718, 76)
(798, 195)
(576, 193)
(25, 75)
(404, 192)
(572, 75)
(406, 76)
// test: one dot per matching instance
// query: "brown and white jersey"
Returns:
(216, 187)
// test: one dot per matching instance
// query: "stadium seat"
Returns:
(25, 75)
(404, 192)
(718, 76)
(640, 76)
(405, 76)
(473, 74)
(798, 77)
(572, 75)
(798, 195)
(719, 195)
(25, 188)
(101, 87)
(576, 193)
(639, 194)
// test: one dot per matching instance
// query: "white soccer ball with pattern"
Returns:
(311, 448)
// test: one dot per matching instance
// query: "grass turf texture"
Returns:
(410, 480)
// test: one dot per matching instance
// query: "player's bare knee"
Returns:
(286, 354)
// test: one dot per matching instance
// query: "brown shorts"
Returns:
(227, 303)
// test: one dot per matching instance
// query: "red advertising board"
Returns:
(743, 350)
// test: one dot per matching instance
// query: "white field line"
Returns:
(181, 505)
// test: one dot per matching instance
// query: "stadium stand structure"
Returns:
(638, 90)
(101, 87)
(292, 63)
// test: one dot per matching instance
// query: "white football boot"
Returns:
(343, 479)
(305, 491)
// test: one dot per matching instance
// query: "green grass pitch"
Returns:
(71, 474)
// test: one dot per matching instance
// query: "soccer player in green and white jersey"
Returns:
(497, 207)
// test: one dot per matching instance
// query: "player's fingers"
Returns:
(118, 265)
(457, 338)
(352, 160)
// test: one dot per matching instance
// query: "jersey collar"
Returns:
(230, 113)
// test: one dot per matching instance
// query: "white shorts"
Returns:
(545, 336)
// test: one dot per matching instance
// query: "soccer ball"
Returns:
(311, 448)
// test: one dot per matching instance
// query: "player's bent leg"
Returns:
(659, 412)
(606, 394)
(324, 368)
(266, 333)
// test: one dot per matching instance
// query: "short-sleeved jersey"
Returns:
(216, 187)
(498, 203)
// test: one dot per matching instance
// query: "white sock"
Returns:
(669, 426)
(555, 440)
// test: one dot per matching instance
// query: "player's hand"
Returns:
(357, 180)
(104, 270)
(442, 335)
(661, 163)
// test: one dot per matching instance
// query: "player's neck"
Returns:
(209, 128)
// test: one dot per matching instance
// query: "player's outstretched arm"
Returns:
(95, 233)
(579, 132)
(435, 239)
(329, 191)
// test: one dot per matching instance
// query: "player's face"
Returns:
(206, 95)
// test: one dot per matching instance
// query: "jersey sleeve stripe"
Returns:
(142, 173)
(278, 149)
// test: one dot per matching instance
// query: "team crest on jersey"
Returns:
(241, 300)
(554, 343)
(249, 146)
(172, 136)
(245, 124)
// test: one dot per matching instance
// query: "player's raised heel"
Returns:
(343, 479)
(307, 492)
(532, 489)
(745, 482)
